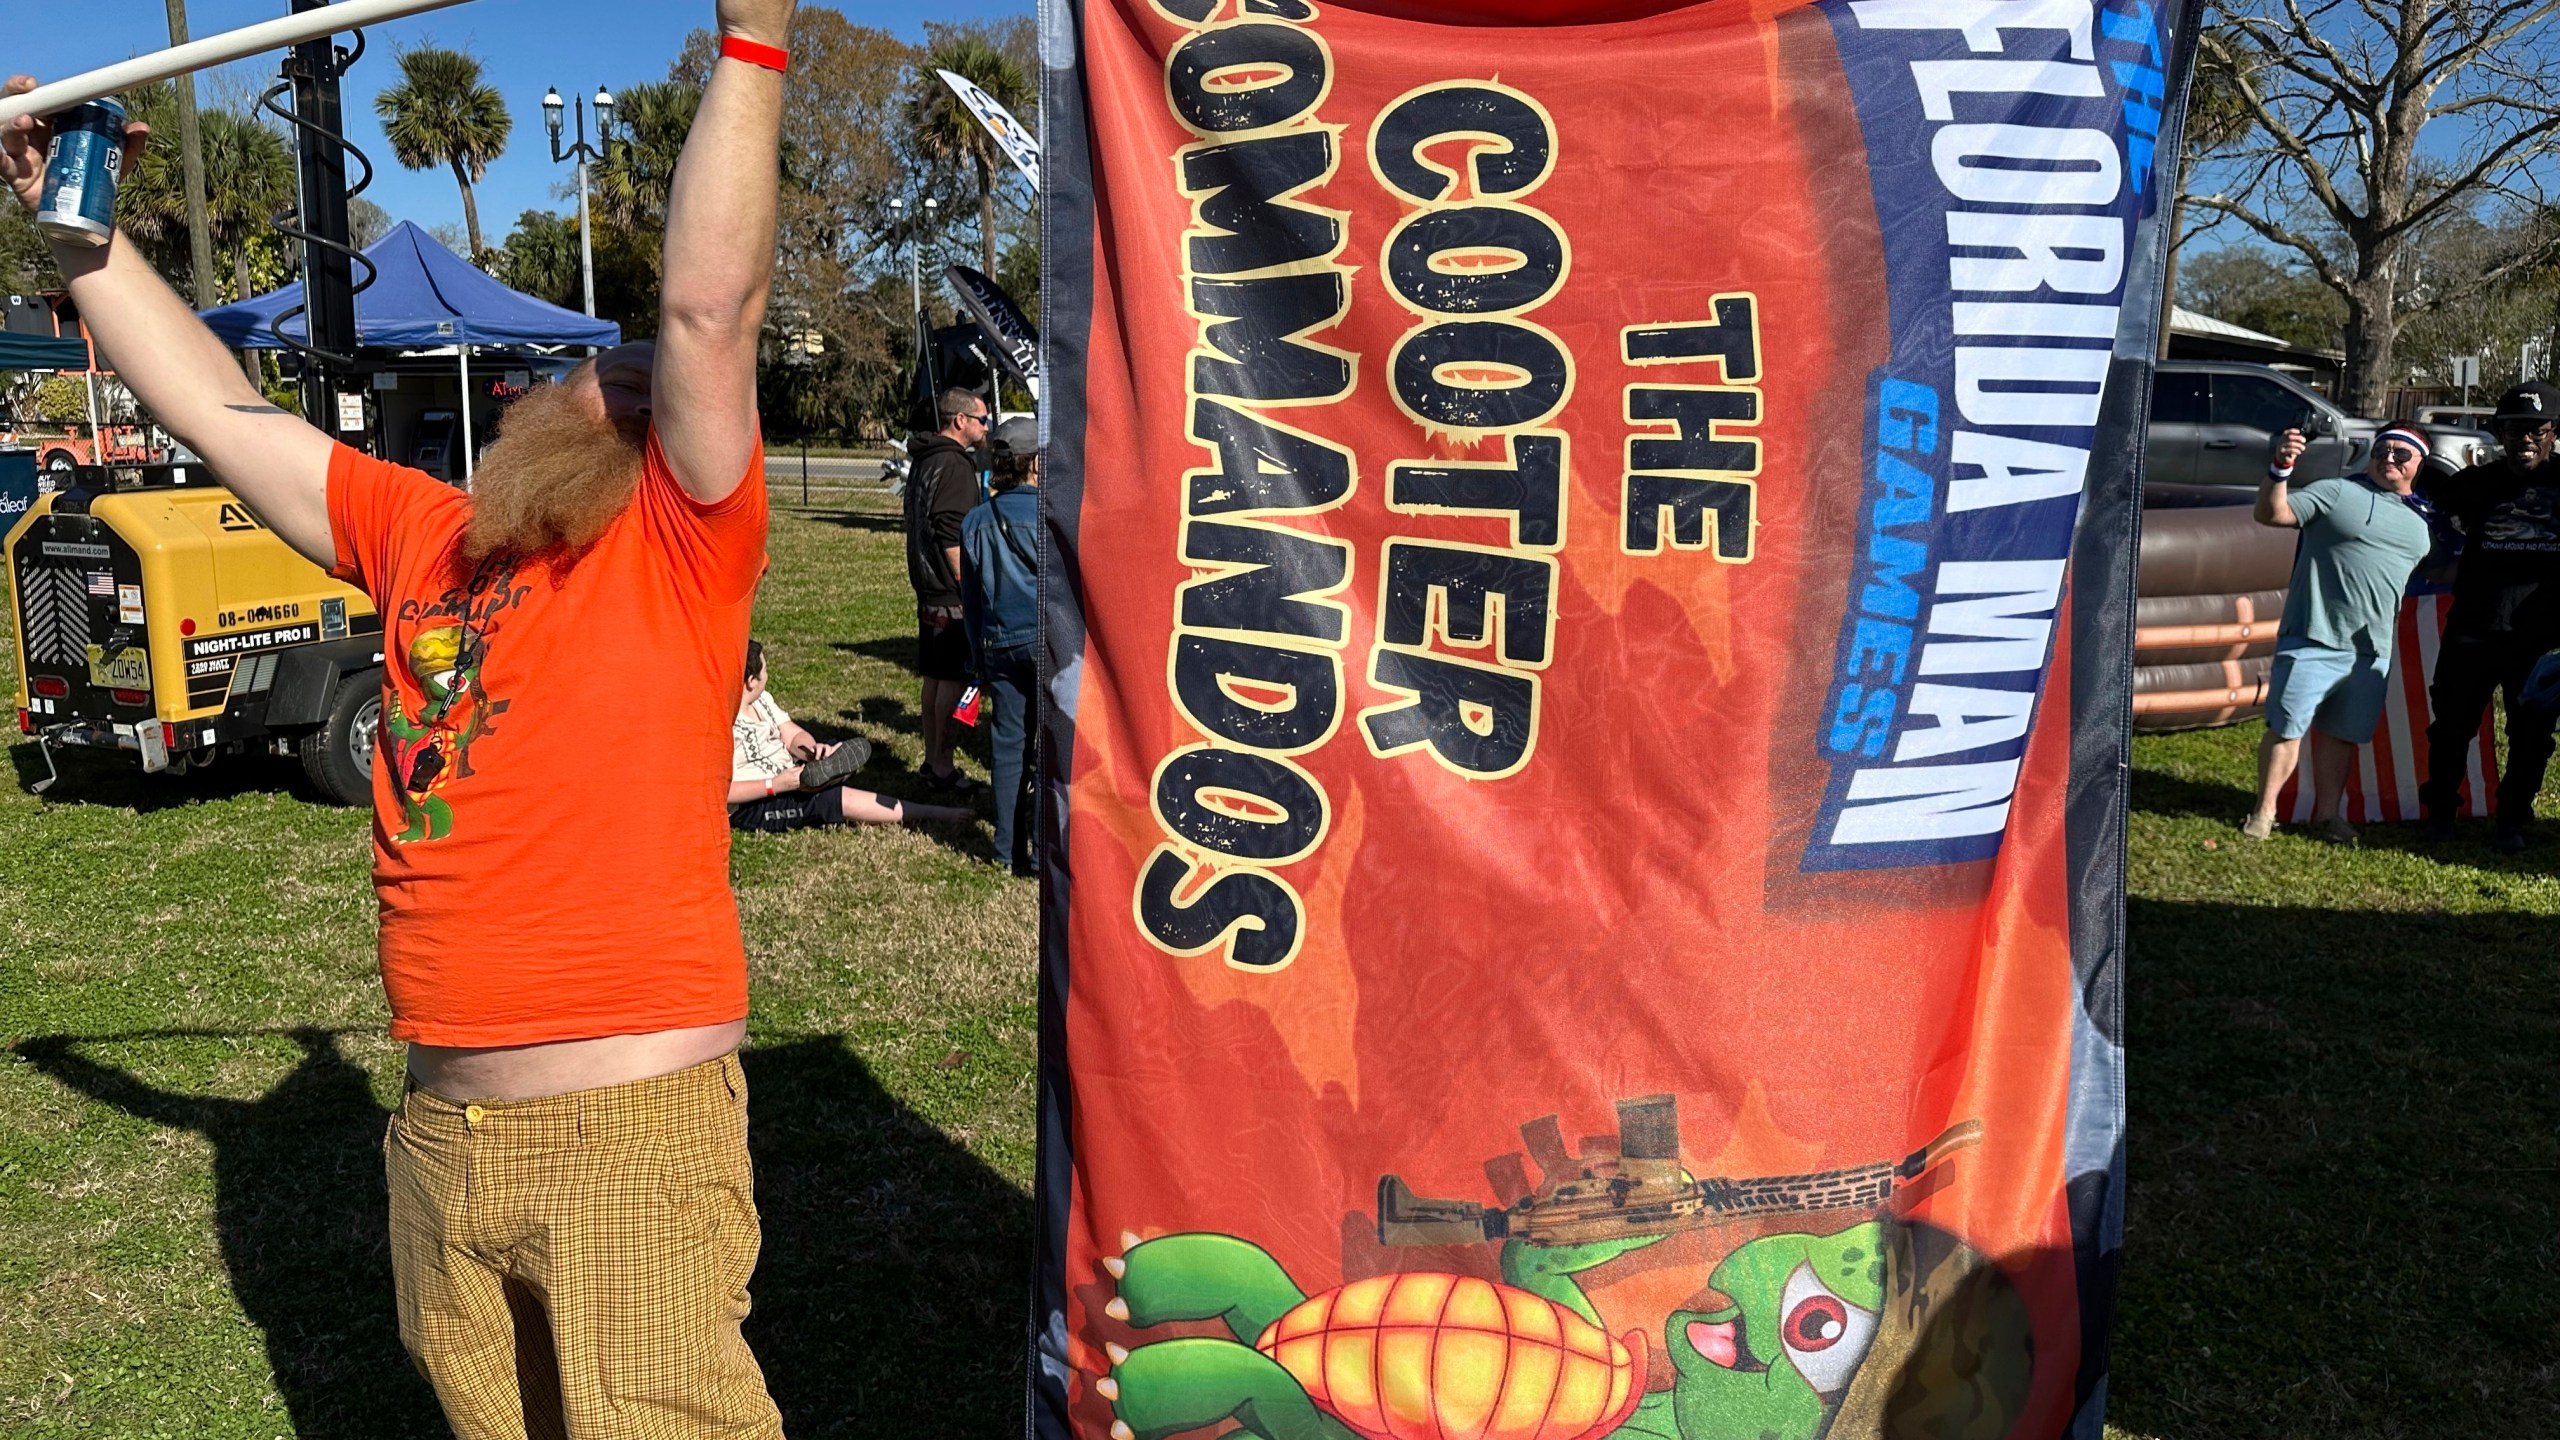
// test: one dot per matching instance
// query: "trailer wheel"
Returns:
(339, 755)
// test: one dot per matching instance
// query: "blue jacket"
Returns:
(1000, 550)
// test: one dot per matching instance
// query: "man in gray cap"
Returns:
(1000, 587)
(2506, 613)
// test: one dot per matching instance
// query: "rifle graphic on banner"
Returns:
(1636, 1187)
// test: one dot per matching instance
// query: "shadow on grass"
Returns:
(889, 1299)
(2346, 1131)
(897, 1267)
(300, 1215)
(873, 520)
(899, 650)
(2156, 793)
(117, 782)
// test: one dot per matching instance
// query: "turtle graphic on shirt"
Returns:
(432, 749)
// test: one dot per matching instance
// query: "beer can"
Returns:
(80, 173)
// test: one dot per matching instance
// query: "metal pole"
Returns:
(804, 472)
(213, 50)
(470, 451)
(586, 228)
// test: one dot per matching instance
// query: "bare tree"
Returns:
(2373, 119)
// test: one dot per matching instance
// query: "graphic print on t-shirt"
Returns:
(431, 750)
(2527, 522)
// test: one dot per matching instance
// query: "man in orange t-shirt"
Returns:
(572, 1226)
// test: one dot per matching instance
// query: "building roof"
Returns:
(2183, 321)
(2191, 322)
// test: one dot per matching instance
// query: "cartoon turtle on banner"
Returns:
(1885, 1327)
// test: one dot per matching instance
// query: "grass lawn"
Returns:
(2346, 1121)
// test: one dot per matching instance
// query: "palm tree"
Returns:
(249, 180)
(638, 172)
(151, 202)
(944, 129)
(442, 113)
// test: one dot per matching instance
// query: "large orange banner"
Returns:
(1588, 640)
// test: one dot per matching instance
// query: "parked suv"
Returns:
(2212, 422)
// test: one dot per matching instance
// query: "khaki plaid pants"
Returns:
(575, 1267)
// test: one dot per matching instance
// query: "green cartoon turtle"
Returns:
(1881, 1328)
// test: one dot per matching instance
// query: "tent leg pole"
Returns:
(468, 449)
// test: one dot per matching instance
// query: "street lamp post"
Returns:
(552, 114)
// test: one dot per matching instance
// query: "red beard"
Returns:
(560, 473)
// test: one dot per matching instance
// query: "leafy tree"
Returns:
(26, 262)
(540, 258)
(1019, 274)
(443, 113)
(2369, 123)
(843, 128)
(942, 130)
(2252, 286)
(249, 180)
(638, 172)
(366, 222)
(2491, 322)
(60, 400)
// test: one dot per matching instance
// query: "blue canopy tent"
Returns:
(45, 352)
(42, 352)
(422, 296)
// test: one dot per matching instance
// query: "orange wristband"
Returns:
(771, 57)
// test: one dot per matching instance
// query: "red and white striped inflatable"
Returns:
(2384, 784)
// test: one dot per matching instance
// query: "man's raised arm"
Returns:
(719, 268)
(175, 366)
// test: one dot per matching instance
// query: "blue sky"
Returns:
(526, 46)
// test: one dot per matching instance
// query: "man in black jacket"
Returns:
(2506, 613)
(942, 489)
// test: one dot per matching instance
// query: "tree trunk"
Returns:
(470, 213)
(191, 156)
(986, 206)
(2169, 265)
(240, 277)
(2373, 323)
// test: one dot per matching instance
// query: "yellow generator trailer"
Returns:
(165, 621)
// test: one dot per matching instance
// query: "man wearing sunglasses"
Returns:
(941, 491)
(2360, 539)
(2506, 613)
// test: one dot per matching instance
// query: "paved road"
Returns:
(783, 467)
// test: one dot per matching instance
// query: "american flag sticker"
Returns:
(102, 585)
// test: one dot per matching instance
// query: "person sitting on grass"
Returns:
(782, 778)
(2360, 540)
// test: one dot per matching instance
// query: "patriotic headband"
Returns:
(2410, 438)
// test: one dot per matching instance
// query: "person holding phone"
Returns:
(2361, 538)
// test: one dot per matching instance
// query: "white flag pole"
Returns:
(211, 51)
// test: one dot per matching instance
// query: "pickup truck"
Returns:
(2212, 421)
